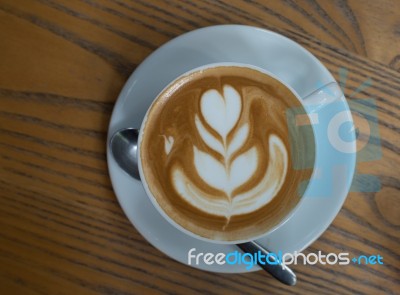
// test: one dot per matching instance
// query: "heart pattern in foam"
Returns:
(221, 113)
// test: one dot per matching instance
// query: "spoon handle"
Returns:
(279, 271)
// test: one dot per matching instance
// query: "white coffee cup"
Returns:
(310, 103)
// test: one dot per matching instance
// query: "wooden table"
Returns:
(62, 65)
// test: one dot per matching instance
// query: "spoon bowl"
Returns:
(124, 148)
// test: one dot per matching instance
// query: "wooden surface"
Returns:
(62, 65)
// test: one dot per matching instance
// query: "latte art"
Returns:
(221, 113)
(215, 154)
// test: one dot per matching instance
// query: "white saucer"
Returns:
(293, 65)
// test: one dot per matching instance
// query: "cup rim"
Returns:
(154, 200)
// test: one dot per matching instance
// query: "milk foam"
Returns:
(221, 113)
(214, 152)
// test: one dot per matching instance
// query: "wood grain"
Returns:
(62, 66)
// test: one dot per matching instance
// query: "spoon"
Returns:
(124, 148)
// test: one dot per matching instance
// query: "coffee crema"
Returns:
(216, 156)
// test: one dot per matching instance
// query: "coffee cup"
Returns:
(225, 152)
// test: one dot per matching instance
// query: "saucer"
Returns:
(293, 65)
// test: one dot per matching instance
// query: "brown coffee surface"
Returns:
(171, 143)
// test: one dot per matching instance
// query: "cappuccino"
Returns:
(215, 153)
